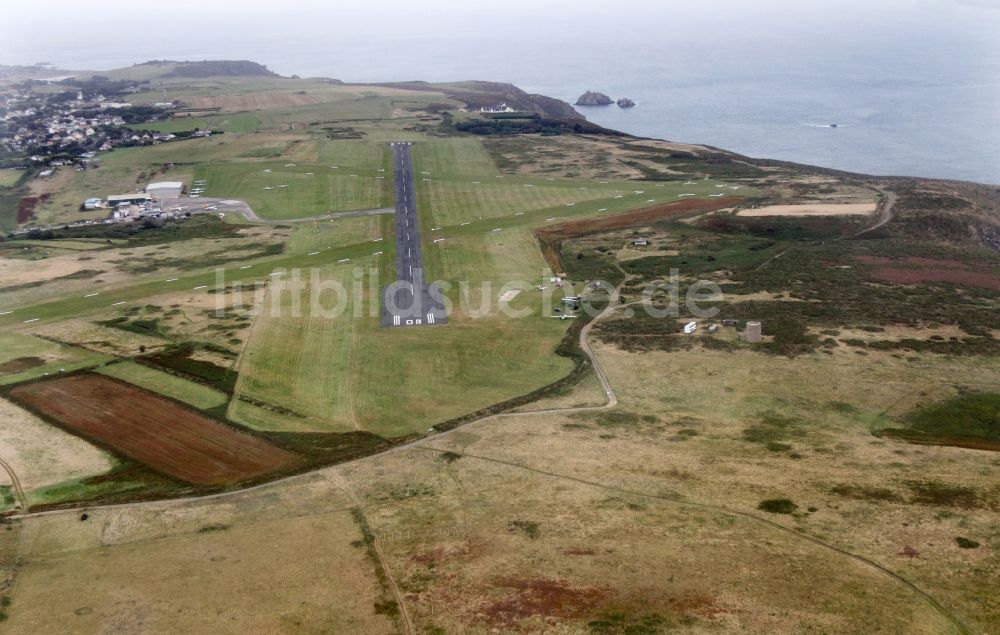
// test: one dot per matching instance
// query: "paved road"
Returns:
(409, 301)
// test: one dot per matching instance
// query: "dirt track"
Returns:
(152, 430)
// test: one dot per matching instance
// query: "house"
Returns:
(641, 242)
(503, 107)
(92, 203)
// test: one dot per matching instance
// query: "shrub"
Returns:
(777, 506)
(528, 527)
(965, 543)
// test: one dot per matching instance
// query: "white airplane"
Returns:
(268, 187)
(196, 196)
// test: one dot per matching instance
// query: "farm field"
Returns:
(186, 444)
(24, 357)
(191, 393)
(42, 455)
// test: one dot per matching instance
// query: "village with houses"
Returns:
(48, 124)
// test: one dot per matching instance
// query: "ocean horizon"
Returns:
(813, 89)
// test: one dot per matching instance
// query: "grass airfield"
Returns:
(644, 518)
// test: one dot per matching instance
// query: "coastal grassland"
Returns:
(453, 370)
(64, 587)
(24, 357)
(451, 202)
(452, 158)
(483, 514)
(299, 366)
(234, 122)
(215, 148)
(10, 177)
(52, 245)
(349, 373)
(42, 455)
(198, 244)
(307, 237)
(189, 392)
(546, 541)
(223, 267)
(350, 154)
(309, 190)
(565, 156)
(733, 429)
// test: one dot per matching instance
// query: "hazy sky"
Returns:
(74, 34)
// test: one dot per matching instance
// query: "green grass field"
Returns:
(172, 386)
(302, 362)
(309, 190)
(341, 232)
(234, 122)
(54, 357)
(9, 178)
(452, 158)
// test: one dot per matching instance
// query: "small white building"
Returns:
(92, 203)
(165, 189)
(503, 107)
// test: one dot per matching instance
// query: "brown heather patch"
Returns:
(919, 269)
(539, 597)
(953, 276)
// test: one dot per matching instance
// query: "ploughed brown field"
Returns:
(147, 428)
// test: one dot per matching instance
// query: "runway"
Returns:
(409, 301)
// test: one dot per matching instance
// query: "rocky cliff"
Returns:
(591, 98)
